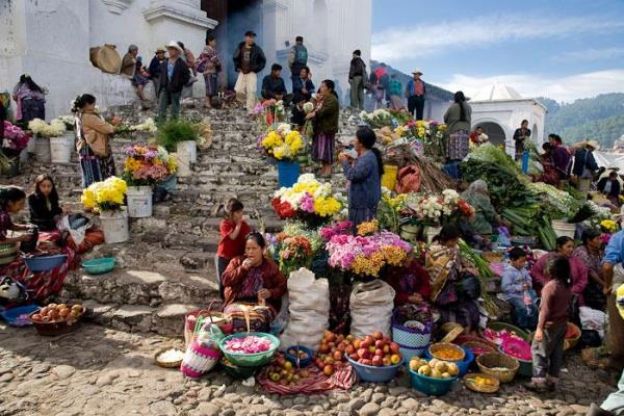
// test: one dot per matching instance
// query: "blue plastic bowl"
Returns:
(431, 386)
(44, 263)
(99, 266)
(463, 365)
(19, 315)
(408, 353)
(293, 358)
(372, 374)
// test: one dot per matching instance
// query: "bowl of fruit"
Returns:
(285, 373)
(434, 377)
(299, 356)
(377, 359)
(249, 349)
(56, 319)
(482, 383)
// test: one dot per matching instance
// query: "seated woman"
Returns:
(590, 253)
(411, 283)
(518, 290)
(454, 288)
(565, 248)
(45, 213)
(39, 285)
(485, 218)
(253, 278)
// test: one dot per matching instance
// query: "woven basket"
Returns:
(411, 337)
(163, 364)
(435, 349)
(470, 382)
(499, 365)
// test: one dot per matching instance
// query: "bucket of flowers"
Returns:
(144, 167)
(44, 132)
(284, 145)
(309, 201)
(107, 198)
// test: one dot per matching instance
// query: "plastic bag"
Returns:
(77, 227)
(203, 354)
(371, 308)
(593, 320)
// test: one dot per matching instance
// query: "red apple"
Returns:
(386, 361)
(394, 347)
(338, 355)
(350, 349)
(379, 352)
(377, 361)
(365, 344)
(377, 335)
(354, 357)
(370, 339)
(379, 344)
(362, 352)
(366, 362)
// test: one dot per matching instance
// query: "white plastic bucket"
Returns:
(563, 229)
(188, 147)
(42, 149)
(61, 148)
(139, 201)
(184, 165)
(30, 147)
(115, 226)
(431, 232)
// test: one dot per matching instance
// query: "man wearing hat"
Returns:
(248, 61)
(585, 165)
(174, 75)
(357, 75)
(154, 68)
(415, 93)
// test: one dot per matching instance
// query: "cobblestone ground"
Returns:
(98, 371)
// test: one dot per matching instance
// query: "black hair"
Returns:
(367, 137)
(209, 39)
(460, 99)
(590, 234)
(53, 197)
(299, 39)
(559, 269)
(613, 173)
(180, 44)
(449, 232)
(331, 85)
(276, 67)
(357, 52)
(81, 101)
(257, 237)
(555, 137)
(32, 85)
(516, 253)
(547, 147)
(233, 205)
(10, 193)
(524, 121)
(307, 68)
(562, 241)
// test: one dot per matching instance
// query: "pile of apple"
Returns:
(434, 368)
(376, 350)
(57, 313)
(285, 373)
(331, 352)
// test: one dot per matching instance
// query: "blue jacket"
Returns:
(365, 183)
(513, 282)
(409, 88)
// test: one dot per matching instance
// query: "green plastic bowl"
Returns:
(99, 266)
(499, 326)
(250, 360)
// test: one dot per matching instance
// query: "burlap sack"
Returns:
(106, 58)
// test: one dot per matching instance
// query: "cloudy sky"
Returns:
(562, 49)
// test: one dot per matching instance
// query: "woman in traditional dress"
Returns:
(590, 253)
(549, 174)
(325, 118)
(93, 135)
(30, 99)
(364, 176)
(457, 118)
(485, 218)
(454, 287)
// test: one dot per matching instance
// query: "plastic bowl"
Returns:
(250, 360)
(44, 263)
(99, 266)
(237, 372)
(293, 358)
(463, 365)
(431, 386)
(408, 353)
(372, 374)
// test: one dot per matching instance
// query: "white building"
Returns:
(500, 109)
(50, 39)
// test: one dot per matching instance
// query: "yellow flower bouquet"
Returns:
(282, 143)
(108, 195)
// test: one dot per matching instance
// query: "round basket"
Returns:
(411, 337)
(297, 362)
(250, 360)
(372, 374)
(470, 381)
(498, 365)
(499, 326)
(435, 351)
(52, 329)
(431, 386)
(479, 347)
(167, 364)
(463, 365)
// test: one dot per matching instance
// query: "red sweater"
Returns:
(229, 248)
(555, 305)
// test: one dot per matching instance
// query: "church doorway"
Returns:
(495, 132)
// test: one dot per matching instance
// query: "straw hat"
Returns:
(417, 71)
(174, 45)
(593, 144)
(160, 49)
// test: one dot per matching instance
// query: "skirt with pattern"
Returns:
(95, 168)
(323, 145)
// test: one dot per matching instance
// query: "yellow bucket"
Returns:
(389, 178)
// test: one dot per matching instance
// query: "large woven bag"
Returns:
(203, 353)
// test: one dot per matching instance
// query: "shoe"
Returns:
(595, 410)
(536, 387)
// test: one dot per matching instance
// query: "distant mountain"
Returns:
(600, 118)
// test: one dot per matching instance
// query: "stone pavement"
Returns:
(98, 371)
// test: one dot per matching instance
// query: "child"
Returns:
(518, 290)
(547, 348)
(233, 230)
(44, 206)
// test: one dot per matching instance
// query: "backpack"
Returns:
(301, 55)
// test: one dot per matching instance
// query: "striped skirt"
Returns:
(95, 168)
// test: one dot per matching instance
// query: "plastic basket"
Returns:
(463, 365)
(250, 360)
(298, 363)
(44, 263)
(287, 173)
(431, 386)
(408, 353)
(372, 374)
(435, 348)
(99, 266)
(411, 338)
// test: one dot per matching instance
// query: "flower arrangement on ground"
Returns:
(56, 128)
(367, 255)
(107, 195)
(344, 227)
(436, 210)
(308, 200)
(377, 119)
(147, 165)
(15, 139)
(282, 143)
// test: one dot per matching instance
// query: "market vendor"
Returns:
(253, 278)
(549, 172)
(454, 287)
(12, 201)
(485, 218)
(410, 283)
(565, 248)
(590, 253)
